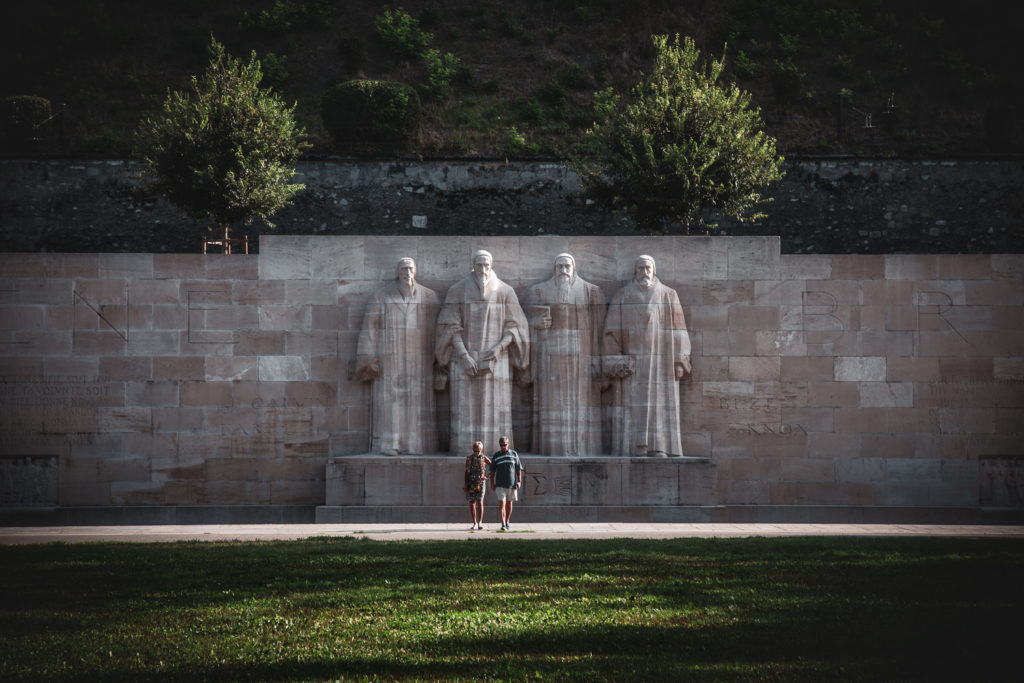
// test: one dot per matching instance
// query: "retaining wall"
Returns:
(823, 205)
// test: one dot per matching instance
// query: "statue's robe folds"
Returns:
(565, 367)
(481, 405)
(398, 333)
(645, 331)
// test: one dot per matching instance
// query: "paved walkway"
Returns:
(448, 532)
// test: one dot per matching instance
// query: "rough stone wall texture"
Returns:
(214, 379)
(828, 206)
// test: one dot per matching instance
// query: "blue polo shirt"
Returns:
(504, 467)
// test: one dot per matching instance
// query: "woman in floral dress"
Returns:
(476, 475)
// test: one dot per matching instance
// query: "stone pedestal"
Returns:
(382, 489)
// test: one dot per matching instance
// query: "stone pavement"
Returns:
(450, 532)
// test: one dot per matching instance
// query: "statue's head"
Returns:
(405, 271)
(482, 261)
(644, 271)
(565, 267)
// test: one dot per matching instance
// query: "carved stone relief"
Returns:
(568, 345)
(482, 334)
(566, 322)
(395, 353)
(646, 353)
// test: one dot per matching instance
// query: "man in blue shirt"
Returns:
(506, 478)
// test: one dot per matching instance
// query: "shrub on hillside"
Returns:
(441, 69)
(20, 118)
(402, 33)
(367, 117)
(287, 15)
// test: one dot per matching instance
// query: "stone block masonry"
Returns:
(823, 205)
(818, 380)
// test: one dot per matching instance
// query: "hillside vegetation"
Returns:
(517, 79)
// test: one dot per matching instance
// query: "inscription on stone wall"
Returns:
(767, 429)
(52, 403)
(932, 305)
(61, 391)
(821, 322)
(1001, 481)
(111, 316)
(29, 480)
(544, 485)
(964, 392)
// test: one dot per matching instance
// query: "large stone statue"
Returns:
(566, 322)
(647, 352)
(482, 334)
(395, 352)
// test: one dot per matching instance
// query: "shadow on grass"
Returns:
(745, 651)
(790, 609)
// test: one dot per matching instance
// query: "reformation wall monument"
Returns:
(344, 379)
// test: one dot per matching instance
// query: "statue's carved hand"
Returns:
(620, 370)
(541, 323)
(683, 368)
(368, 369)
(471, 366)
(617, 366)
(492, 353)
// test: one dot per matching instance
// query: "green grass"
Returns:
(513, 609)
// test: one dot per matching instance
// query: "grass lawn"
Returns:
(514, 609)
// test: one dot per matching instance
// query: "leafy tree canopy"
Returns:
(224, 149)
(682, 145)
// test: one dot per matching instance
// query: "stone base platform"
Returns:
(155, 515)
(678, 514)
(436, 482)
(377, 489)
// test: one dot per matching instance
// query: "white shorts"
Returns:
(506, 494)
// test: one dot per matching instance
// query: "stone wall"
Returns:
(819, 380)
(823, 205)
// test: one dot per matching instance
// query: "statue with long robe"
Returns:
(566, 315)
(396, 353)
(482, 334)
(646, 353)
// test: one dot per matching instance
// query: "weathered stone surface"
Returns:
(174, 379)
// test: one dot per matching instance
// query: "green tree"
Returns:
(225, 149)
(683, 145)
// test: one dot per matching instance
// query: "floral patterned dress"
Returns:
(474, 477)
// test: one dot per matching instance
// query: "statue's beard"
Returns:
(645, 282)
(482, 279)
(562, 283)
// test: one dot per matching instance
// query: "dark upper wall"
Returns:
(823, 205)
